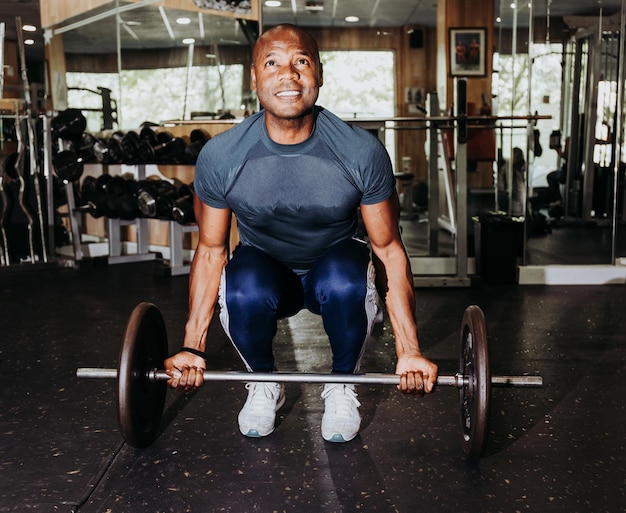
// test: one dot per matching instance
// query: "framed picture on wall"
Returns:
(468, 52)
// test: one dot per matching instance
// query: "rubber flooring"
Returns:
(559, 448)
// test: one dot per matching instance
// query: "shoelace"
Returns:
(343, 400)
(263, 397)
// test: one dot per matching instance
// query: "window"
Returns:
(358, 83)
(159, 94)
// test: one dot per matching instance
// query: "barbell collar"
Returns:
(456, 380)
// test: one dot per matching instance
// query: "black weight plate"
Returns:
(475, 398)
(141, 401)
(68, 166)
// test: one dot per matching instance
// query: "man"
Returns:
(295, 177)
(558, 177)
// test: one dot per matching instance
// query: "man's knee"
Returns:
(250, 279)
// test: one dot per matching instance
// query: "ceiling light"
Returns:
(351, 19)
(272, 3)
(29, 41)
(29, 28)
(312, 6)
(183, 21)
(189, 41)
(498, 20)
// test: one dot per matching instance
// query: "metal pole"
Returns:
(188, 79)
(456, 380)
(2, 32)
(433, 177)
(461, 179)
(32, 144)
(618, 130)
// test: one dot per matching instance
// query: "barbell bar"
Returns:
(370, 378)
(141, 388)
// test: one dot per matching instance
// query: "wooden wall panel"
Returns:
(54, 12)
(12, 77)
(459, 13)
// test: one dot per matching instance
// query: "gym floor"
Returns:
(557, 448)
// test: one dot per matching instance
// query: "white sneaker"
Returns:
(258, 415)
(341, 420)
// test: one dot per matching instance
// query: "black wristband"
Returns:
(193, 351)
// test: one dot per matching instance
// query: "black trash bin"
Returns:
(499, 242)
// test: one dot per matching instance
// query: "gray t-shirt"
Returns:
(294, 201)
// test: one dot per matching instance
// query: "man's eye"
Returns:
(303, 62)
(270, 63)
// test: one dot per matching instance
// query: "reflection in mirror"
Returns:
(577, 196)
(159, 63)
(511, 93)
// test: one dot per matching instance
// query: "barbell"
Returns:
(141, 386)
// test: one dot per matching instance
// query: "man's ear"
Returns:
(252, 78)
(320, 82)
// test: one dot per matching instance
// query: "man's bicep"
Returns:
(381, 221)
(213, 224)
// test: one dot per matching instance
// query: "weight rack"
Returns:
(175, 265)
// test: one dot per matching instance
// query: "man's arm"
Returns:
(207, 265)
(418, 375)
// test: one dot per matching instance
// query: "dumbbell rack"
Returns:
(176, 264)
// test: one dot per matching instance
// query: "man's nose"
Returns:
(289, 71)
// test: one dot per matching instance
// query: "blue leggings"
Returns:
(257, 290)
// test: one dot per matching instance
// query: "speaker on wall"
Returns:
(416, 38)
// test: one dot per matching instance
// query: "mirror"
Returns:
(160, 63)
(583, 227)
(508, 97)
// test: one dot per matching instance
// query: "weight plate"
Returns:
(141, 401)
(475, 398)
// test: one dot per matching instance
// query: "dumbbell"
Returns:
(110, 196)
(68, 124)
(130, 146)
(156, 198)
(93, 195)
(121, 197)
(197, 139)
(183, 212)
(102, 152)
(116, 153)
(69, 163)
(161, 147)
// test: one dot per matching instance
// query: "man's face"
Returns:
(286, 73)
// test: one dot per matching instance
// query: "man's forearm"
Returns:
(204, 282)
(400, 302)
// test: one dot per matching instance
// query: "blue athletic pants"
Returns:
(257, 290)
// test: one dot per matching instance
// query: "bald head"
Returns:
(285, 31)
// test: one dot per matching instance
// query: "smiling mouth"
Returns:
(284, 94)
